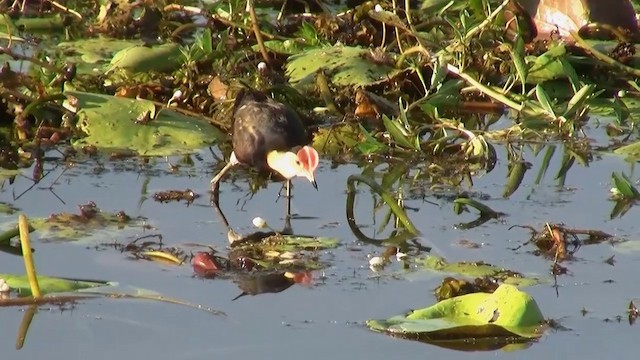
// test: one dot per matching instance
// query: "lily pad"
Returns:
(89, 224)
(508, 313)
(48, 284)
(110, 124)
(345, 65)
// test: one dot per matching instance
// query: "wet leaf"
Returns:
(506, 313)
(110, 124)
(345, 65)
(48, 284)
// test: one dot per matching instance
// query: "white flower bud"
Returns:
(259, 222)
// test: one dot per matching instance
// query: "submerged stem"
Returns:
(388, 199)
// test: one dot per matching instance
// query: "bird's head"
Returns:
(289, 164)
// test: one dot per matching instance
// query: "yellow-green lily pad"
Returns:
(507, 314)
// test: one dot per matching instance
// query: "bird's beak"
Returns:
(312, 180)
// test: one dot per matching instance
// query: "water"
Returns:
(325, 320)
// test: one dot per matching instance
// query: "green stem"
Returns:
(388, 199)
(30, 268)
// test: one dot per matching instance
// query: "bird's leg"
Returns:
(287, 230)
(233, 161)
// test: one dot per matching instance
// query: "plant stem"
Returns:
(390, 201)
(25, 242)
(256, 31)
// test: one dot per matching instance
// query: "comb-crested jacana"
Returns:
(269, 136)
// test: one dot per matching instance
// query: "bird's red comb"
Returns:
(309, 157)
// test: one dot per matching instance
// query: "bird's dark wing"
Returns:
(262, 125)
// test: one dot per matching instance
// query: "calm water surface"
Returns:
(323, 321)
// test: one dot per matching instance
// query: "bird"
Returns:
(270, 137)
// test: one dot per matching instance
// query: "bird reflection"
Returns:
(256, 284)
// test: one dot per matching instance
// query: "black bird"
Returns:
(265, 135)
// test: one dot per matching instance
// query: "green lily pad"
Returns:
(48, 284)
(110, 124)
(348, 66)
(505, 314)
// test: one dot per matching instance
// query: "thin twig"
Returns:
(256, 31)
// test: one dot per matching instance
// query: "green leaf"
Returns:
(623, 186)
(630, 151)
(351, 66)
(546, 66)
(578, 99)
(398, 133)
(110, 124)
(517, 169)
(543, 98)
(48, 284)
(517, 56)
(484, 210)
(506, 313)
(371, 145)
(159, 58)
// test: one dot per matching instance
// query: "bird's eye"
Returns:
(298, 162)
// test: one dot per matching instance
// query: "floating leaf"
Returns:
(505, 314)
(110, 124)
(48, 284)
(477, 269)
(345, 65)
(630, 151)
